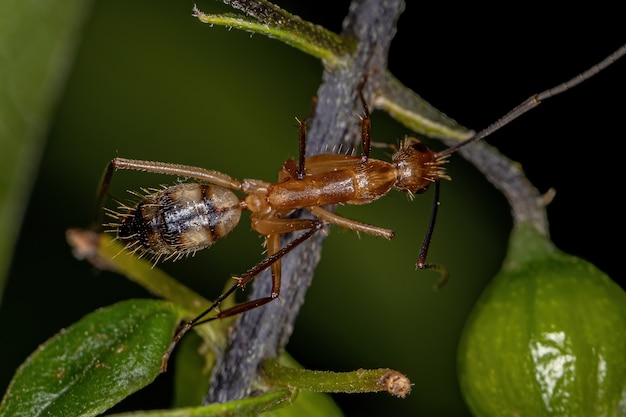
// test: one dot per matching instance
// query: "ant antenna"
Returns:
(536, 99)
(528, 104)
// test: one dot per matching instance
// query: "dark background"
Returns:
(152, 82)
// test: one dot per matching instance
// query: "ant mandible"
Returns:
(179, 220)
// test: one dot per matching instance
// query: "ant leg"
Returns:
(366, 129)
(366, 123)
(301, 172)
(201, 174)
(357, 226)
(275, 254)
(421, 260)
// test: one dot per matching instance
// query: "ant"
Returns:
(179, 220)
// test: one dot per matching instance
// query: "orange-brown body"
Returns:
(342, 179)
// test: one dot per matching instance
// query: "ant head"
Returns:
(417, 166)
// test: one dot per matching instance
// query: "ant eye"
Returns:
(420, 147)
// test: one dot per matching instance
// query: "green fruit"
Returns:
(546, 338)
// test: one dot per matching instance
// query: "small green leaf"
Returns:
(95, 363)
(270, 20)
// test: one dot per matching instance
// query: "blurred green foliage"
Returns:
(37, 44)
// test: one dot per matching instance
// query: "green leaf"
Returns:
(270, 20)
(95, 363)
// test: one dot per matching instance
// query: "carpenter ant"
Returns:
(176, 221)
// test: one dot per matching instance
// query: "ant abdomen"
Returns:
(179, 220)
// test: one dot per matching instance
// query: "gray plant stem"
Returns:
(263, 332)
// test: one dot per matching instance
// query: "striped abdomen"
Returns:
(180, 220)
